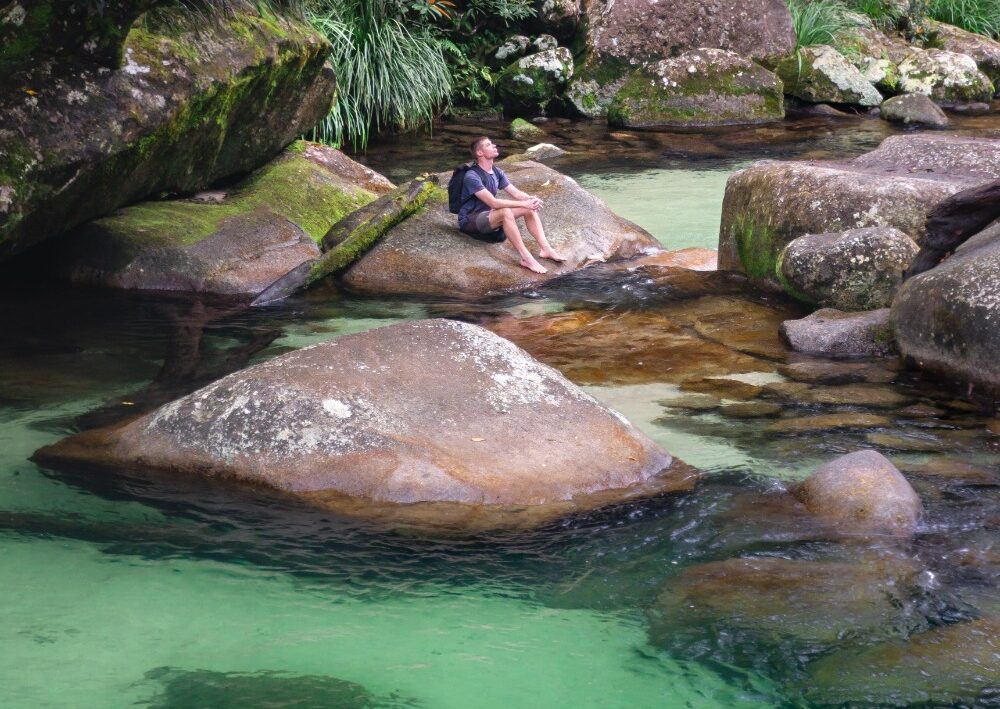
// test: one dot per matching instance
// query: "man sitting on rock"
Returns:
(482, 212)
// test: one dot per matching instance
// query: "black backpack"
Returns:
(455, 185)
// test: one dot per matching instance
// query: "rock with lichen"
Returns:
(345, 425)
(533, 82)
(821, 74)
(841, 335)
(984, 50)
(947, 77)
(702, 87)
(914, 110)
(192, 102)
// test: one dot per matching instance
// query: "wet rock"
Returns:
(750, 409)
(694, 258)
(770, 203)
(877, 397)
(864, 490)
(758, 337)
(915, 110)
(821, 74)
(786, 391)
(532, 82)
(235, 245)
(195, 101)
(520, 129)
(948, 666)
(985, 51)
(834, 333)
(692, 402)
(950, 469)
(828, 422)
(858, 269)
(722, 388)
(702, 87)
(615, 44)
(912, 443)
(427, 254)
(946, 319)
(920, 411)
(946, 77)
(783, 599)
(345, 425)
(825, 371)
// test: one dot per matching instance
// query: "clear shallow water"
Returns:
(126, 591)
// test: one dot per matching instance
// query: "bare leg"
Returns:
(510, 230)
(534, 224)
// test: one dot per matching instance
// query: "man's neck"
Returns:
(486, 164)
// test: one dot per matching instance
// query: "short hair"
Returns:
(475, 145)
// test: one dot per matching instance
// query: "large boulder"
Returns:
(234, 242)
(864, 492)
(435, 420)
(836, 334)
(947, 319)
(914, 110)
(858, 269)
(985, 51)
(821, 74)
(560, 17)
(616, 43)
(427, 254)
(533, 82)
(194, 102)
(770, 203)
(948, 78)
(703, 87)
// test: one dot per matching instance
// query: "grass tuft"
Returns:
(820, 21)
(979, 16)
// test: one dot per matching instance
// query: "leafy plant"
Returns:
(819, 21)
(979, 16)
(884, 14)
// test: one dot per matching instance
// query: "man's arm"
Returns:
(495, 203)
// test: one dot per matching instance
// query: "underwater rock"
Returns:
(953, 665)
(236, 244)
(520, 129)
(694, 258)
(834, 333)
(722, 388)
(421, 423)
(948, 78)
(828, 422)
(702, 87)
(195, 101)
(821, 74)
(616, 44)
(750, 409)
(825, 371)
(914, 110)
(858, 269)
(770, 203)
(947, 320)
(984, 50)
(864, 490)
(533, 82)
(873, 396)
(428, 255)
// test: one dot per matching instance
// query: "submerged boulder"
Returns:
(946, 77)
(427, 255)
(616, 43)
(235, 242)
(770, 203)
(821, 74)
(947, 319)
(858, 269)
(863, 491)
(533, 82)
(834, 333)
(914, 110)
(434, 422)
(702, 87)
(193, 102)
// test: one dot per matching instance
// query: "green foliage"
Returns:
(979, 16)
(884, 14)
(820, 21)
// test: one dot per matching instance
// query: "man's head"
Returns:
(483, 147)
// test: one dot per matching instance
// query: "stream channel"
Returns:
(123, 592)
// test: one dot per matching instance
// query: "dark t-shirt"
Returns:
(472, 183)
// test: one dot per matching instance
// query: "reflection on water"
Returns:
(124, 590)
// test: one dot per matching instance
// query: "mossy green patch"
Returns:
(757, 247)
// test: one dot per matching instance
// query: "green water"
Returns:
(121, 591)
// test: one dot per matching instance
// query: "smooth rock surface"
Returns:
(946, 77)
(834, 333)
(821, 74)
(858, 269)
(897, 185)
(863, 490)
(702, 87)
(914, 110)
(947, 320)
(434, 411)
(232, 243)
(428, 255)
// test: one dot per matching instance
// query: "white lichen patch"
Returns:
(15, 15)
(337, 408)
(132, 67)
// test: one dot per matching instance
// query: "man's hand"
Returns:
(533, 203)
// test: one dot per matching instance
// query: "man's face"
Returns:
(488, 150)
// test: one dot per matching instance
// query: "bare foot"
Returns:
(551, 255)
(533, 265)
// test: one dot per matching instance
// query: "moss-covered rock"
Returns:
(197, 99)
(234, 243)
(985, 51)
(821, 74)
(520, 129)
(532, 82)
(947, 77)
(770, 203)
(702, 87)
